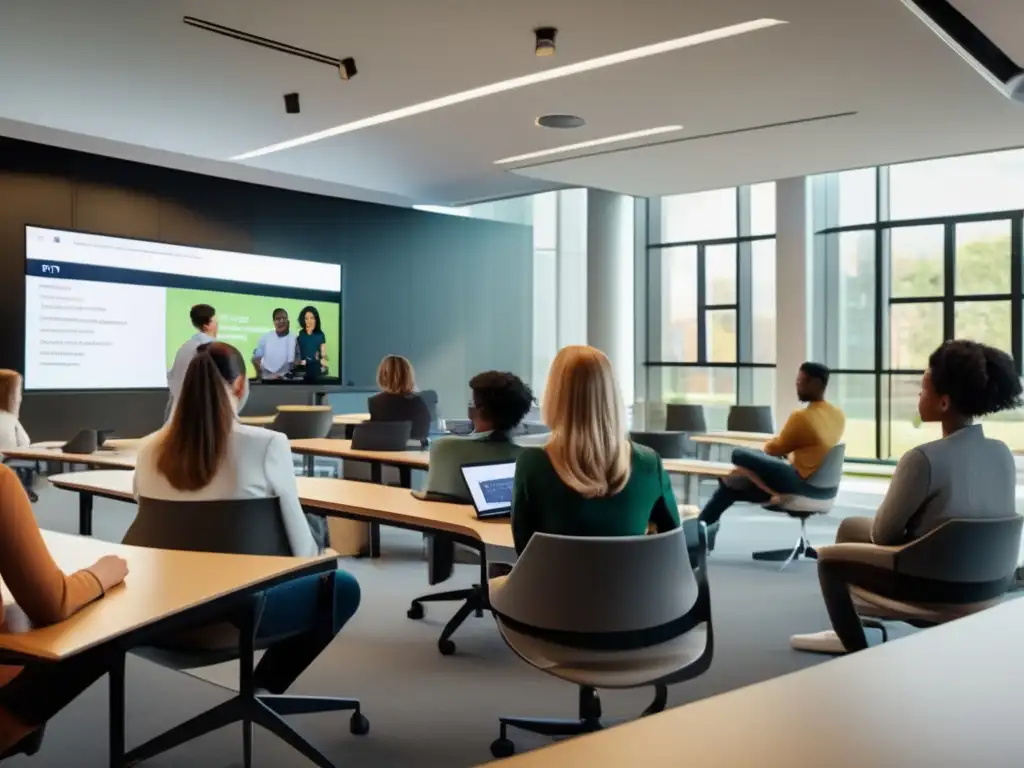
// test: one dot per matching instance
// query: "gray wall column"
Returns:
(794, 250)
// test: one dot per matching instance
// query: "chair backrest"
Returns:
(829, 473)
(750, 418)
(685, 417)
(965, 551)
(306, 423)
(86, 441)
(429, 397)
(599, 584)
(668, 445)
(382, 436)
(231, 526)
(531, 428)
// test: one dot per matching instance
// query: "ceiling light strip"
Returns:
(592, 143)
(588, 65)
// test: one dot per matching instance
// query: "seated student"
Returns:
(808, 435)
(12, 434)
(205, 454)
(500, 401)
(31, 696)
(589, 479)
(963, 475)
(398, 400)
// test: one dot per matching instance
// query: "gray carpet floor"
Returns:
(429, 710)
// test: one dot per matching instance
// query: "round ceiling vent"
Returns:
(560, 121)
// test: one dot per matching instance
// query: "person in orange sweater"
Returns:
(31, 696)
(807, 436)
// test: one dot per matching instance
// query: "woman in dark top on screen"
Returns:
(311, 343)
(590, 479)
(397, 400)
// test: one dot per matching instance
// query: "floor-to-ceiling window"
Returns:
(908, 256)
(711, 301)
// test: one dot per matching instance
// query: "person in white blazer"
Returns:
(12, 434)
(203, 454)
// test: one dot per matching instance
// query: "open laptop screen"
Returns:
(490, 486)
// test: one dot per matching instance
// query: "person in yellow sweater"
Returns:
(807, 436)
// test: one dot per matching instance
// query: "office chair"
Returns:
(303, 422)
(245, 527)
(975, 558)
(751, 418)
(28, 746)
(26, 472)
(816, 498)
(604, 612)
(685, 417)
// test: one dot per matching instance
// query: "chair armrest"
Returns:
(873, 555)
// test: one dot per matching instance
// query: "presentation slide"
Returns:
(110, 313)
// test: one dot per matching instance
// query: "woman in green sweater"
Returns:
(589, 480)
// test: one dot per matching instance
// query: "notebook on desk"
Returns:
(490, 487)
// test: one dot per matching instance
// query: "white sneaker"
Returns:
(818, 642)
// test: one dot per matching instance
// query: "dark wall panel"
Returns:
(452, 294)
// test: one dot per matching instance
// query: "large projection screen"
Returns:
(106, 312)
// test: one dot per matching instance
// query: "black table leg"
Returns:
(376, 476)
(85, 514)
(117, 711)
(309, 466)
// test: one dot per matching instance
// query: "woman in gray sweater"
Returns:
(963, 475)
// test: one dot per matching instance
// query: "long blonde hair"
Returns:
(588, 446)
(396, 376)
(10, 390)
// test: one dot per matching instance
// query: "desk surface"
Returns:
(123, 458)
(339, 419)
(342, 449)
(160, 583)
(386, 504)
(697, 467)
(747, 440)
(943, 697)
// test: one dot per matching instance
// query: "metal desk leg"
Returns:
(116, 726)
(85, 514)
(376, 476)
(309, 466)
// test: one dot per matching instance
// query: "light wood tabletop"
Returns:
(122, 458)
(340, 419)
(160, 583)
(739, 441)
(351, 498)
(698, 467)
(886, 707)
(342, 449)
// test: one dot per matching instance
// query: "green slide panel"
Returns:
(243, 318)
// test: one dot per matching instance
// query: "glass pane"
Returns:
(762, 209)
(984, 321)
(1008, 427)
(915, 331)
(720, 274)
(714, 388)
(757, 387)
(917, 261)
(545, 317)
(698, 216)
(762, 299)
(854, 393)
(679, 305)
(850, 302)
(856, 197)
(720, 335)
(983, 257)
(954, 185)
(904, 429)
(545, 220)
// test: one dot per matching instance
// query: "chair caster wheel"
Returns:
(502, 748)
(359, 725)
(415, 611)
(446, 647)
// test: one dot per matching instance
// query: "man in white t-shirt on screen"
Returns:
(274, 355)
(204, 320)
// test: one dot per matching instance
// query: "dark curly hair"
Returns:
(978, 379)
(502, 398)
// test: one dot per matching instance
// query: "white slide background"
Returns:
(88, 335)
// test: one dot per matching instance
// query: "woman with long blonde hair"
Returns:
(590, 479)
(398, 399)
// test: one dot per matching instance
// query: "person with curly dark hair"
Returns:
(500, 402)
(963, 475)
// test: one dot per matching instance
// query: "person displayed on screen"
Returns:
(206, 454)
(275, 352)
(204, 320)
(311, 343)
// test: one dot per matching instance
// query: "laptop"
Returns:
(490, 487)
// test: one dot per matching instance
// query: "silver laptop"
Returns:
(490, 487)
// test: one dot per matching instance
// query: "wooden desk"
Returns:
(886, 707)
(745, 440)
(341, 419)
(116, 459)
(165, 591)
(342, 449)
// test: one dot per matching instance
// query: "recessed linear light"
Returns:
(555, 73)
(591, 143)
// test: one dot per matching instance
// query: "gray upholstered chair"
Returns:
(604, 612)
(244, 527)
(973, 559)
(685, 417)
(816, 498)
(304, 422)
(668, 445)
(751, 418)
(382, 436)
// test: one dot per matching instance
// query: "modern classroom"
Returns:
(531, 384)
